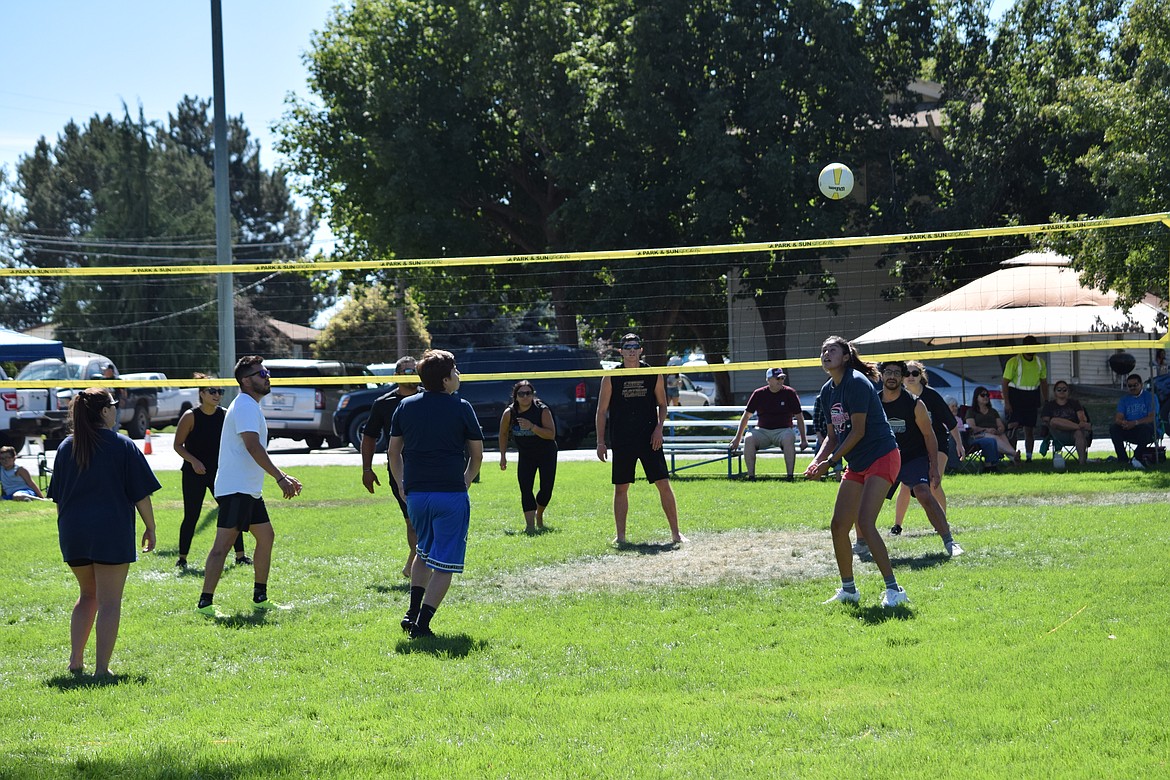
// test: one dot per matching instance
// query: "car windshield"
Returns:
(49, 371)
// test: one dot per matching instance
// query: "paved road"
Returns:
(285, 453)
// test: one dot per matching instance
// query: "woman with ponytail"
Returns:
(99, 479)
(859, 434)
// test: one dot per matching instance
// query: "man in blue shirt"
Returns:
(1134, 421)
(429, 435)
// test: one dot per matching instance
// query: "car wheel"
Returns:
(356, 427)
(314, 441)
(136, 428)
(332, 442)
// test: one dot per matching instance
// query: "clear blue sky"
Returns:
(71, 59)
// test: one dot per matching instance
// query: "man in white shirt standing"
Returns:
(239, 485)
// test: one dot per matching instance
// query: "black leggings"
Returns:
(195, 486)
(526, 469)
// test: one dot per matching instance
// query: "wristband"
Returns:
(281, 478)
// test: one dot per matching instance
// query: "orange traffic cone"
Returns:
(147, 449)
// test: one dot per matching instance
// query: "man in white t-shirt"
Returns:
(239, 485)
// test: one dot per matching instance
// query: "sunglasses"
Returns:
(520, 393)
(915, 372)
(263, 373)
(406, 371)
(1062, 389)
(213, 390)
(631, 346)
(983, 395)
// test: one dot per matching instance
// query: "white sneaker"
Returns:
(1137, 464)
(861, 550)
(892, 598)
(845, 597)
(953, 549)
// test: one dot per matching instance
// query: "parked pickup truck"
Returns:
(44, 412)
(304, 412)
(172, 401)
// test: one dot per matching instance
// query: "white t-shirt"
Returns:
(238, 471)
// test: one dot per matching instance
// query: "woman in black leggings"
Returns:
(197, 442)
(529, 424)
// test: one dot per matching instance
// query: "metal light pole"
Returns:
(223, 217)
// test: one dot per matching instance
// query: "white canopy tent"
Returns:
(1034, 294)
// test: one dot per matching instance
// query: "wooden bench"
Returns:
(709, 430)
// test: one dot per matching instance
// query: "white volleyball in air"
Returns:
(835, 181)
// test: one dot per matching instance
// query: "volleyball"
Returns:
(835, 181)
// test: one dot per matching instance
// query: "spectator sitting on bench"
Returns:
(1067, 424)
(777, 405)
(1134, 421)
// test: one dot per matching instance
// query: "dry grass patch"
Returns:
(705, 560)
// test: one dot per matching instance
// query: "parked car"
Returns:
(572, 399)
(305, 412)
(689, 394)
(44, 412)
(172, 401)
(946, 383)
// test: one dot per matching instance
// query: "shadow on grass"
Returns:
(928, 561)
(876, 615)
(401, 587)
(523, 532)
(442, 645)
(68, 681)
(253, 618)
(647, 548)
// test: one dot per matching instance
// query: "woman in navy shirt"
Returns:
(857, 432)
(99, 479)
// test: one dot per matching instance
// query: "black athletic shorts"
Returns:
(241, 511)
(626, 459)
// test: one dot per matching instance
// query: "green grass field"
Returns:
(1037, 654)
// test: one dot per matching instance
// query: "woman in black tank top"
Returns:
(529, 424)
(197, 443)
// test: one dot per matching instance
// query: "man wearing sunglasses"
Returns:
(637, 410)
(377, 426)
(239, 486)
(1134, 421)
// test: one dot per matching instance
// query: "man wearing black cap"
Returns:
(1025, 390)
(776, 405)
(637, 410)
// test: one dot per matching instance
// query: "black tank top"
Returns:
(203, 440)
(633, 409)
(528, 442)
(900, 413)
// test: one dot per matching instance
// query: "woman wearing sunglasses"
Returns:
(197, 442)
(987, 428)
(529, 424)
(946, 430)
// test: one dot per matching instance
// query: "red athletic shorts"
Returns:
(886, 467)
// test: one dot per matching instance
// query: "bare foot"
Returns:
(619, 541)
(680, 539)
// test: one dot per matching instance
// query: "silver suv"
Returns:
(305, 412)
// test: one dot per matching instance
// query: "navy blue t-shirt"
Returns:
(435, 428)
(857, 395)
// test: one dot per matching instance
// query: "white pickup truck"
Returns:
(172, 401)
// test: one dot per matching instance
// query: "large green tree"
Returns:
(541, 126)
(128, 193)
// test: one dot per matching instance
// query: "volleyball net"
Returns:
(754, 304)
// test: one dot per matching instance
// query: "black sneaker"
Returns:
(181, 563)
(406, 623)
(243, 560)
(420, 632)
(896, 530)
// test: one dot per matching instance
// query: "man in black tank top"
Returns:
(919, 448)
(637, 409)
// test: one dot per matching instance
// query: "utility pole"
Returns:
(225, 282)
